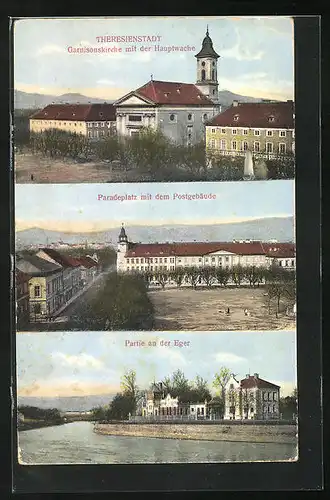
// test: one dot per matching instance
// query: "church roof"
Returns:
(256, 115)
(207, 49)
(173, 93)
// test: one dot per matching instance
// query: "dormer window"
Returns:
(178, 91)
(199, 97)
(271, 119)
(236, 118)
(166, 94)
(73, 114)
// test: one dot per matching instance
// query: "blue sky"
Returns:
(66, 208)
(52, 364)
(256, 55)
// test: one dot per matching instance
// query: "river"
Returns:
(76, 443)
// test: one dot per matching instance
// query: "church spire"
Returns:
(122, 235)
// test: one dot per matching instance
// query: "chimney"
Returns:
(256, 375)
(235, 103)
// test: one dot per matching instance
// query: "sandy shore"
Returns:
(222, 432)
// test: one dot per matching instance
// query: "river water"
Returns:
(76, 443)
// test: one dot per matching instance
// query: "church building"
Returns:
(178, 110)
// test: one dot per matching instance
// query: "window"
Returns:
(135, 118)
(213, 74)
(203, 64)
(282, 133)
(223, 144)
(223, 130)
(227, 259)
(269, 133)
(156, 260)
(282, 148)
(37, 291)
(89, 133)
(132, 261)
(234, 145)
(173, 118)
(213, 259)
(245, 145)
(245, 131)
(102, 124)
(203, 74)
(269, 147)
(212, 143)
(212, 130)
(234, 131)
(165, 260)
(160, 260)
(257, 132)
(141, 261)
(274, 396)
(257, 146)
(101, 133)
(205, 116)
(292, 263)
(189, 116)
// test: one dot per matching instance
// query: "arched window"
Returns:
(203, 64)
(203, 74)
(205, 116)
(212, 74)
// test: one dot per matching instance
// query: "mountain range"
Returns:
(26, 100)
(279, 228)
(68, 403)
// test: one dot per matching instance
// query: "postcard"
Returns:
(155, 247)
(153, 99)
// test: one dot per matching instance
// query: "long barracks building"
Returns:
(157, 257)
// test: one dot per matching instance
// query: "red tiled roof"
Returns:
(256, 115)
(77, 112)
(252, 381)
(87, 262)
(191, 249)
(280, 250)
(173, 93)
(63, 260)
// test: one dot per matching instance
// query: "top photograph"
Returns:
(156, 99)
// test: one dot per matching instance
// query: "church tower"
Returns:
(122, 249)
(207, 71)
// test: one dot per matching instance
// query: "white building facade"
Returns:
(156, 257)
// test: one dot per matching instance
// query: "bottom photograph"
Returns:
(130, 398)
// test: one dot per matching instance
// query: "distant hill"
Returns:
(278, 228)
(73, 403)
(26, 100)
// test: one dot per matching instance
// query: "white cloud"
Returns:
(241, 52)
(105, 81)
(253, 76)
(81, 360)
(50, 49)
(227, 357)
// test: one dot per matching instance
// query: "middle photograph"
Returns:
(204, 257)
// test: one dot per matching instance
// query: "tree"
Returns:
(193, 275)
(221, 380)
(100, 413)
(289, 405)
(162, 277)
(130, 388)
(222, 275)
(180, 383)
(251, 275)
(208, 275)
(201, 388)
(237, 274)
(121, 407)
(233, 400)
(177, 276)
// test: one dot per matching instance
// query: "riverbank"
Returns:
(37, 424)
(285, 434)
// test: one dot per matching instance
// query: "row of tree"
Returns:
(121, 304)
(35, 413)
(151, 156)
(211, 275)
